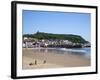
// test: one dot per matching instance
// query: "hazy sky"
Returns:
(57, 22)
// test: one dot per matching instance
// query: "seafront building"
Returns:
(33, 43)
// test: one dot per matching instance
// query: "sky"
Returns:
(57, 22)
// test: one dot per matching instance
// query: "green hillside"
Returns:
(70, 37)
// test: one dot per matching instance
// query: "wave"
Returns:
(73, 50)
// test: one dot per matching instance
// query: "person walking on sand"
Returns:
(35, 62)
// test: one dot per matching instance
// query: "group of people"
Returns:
(36, 62)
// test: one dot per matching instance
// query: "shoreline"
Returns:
(52, 60)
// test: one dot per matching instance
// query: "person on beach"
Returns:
(35, 62)
(31, 64)
(44, 62)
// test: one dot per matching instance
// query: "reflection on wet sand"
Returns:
(52, 58)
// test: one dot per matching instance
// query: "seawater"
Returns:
(85, 52)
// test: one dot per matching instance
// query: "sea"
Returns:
(84, 52)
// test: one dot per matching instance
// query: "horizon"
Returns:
(57, 23)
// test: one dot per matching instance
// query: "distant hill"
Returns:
(70, 37)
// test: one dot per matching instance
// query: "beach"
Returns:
(40, 58)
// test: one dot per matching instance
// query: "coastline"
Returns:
(51, 60)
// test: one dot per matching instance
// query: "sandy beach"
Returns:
(32, 59)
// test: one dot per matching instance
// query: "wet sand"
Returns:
(32, 59)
